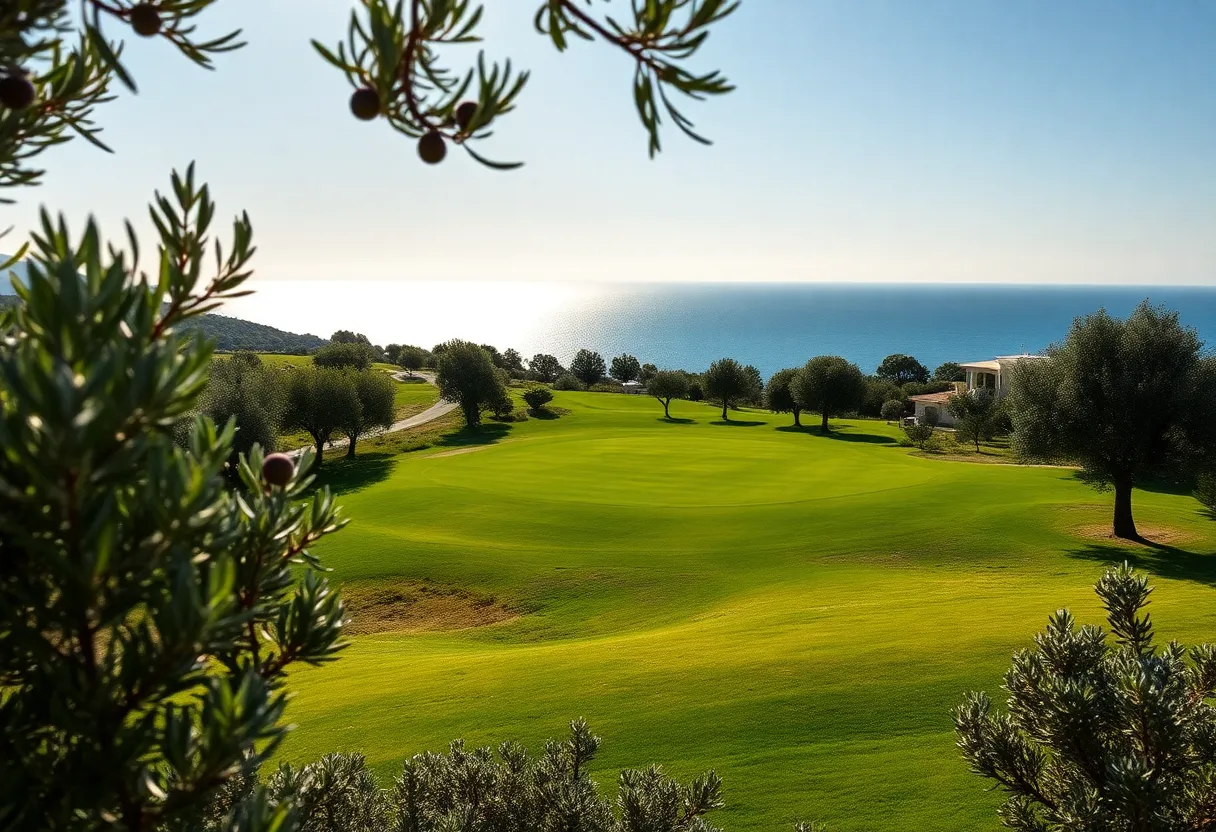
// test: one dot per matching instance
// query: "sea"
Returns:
(688, 325)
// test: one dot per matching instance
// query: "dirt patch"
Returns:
(1152, 533)
(419, 606)
(459, 451)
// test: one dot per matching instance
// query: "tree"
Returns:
(625, 368)
(1124, 399)
(567, 382)
(588, 367)
(1101, 731)
(545, 367)
(879, 391)
(148, 615)
(412, 358)
(974, 415)
(829, 385)
(537, 396)
(755, 386)
(779, 395)
(725, 382)
(513, 363)
(345, 336)
(901, 369)
(392, 353)
(320, 402)
(242, 389)
(467, 377)
(919, 434)
(647, 373)
(893, 410)
(348, 355)
(949, 371)
(377, 407)
(667, 385)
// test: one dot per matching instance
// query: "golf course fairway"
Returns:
(799, 612)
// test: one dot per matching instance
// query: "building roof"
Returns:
(932, 398)
(982, 365)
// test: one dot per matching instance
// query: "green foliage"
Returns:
(829, 385)
(974, 415)
(919, 434)
(949, 371)
(147, 613)
(345, 355)
(1124, 399)
(1101, 730)
(914, 388)
(588, 367)
(377, 409)
(902, 369)
(545, 368)
(567, 381)
(666, 385)
(893, 410)
(755, 386)
(241, 388)
(513, 363)
(412, 358)
(537, 396)
(725, 382)
(779, 394)
(468, 377)
(647, 373)
(231, 334)
(320, 401)
(625, 368)
(879, 391)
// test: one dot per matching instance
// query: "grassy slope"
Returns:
(800, 612)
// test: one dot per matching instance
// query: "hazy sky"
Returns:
(879, 140)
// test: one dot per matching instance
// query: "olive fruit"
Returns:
(16, 91)
(365, 103)
(432, 148)
(145, 19)
(278, 469)
(465, 113)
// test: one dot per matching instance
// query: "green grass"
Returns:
(799, 612)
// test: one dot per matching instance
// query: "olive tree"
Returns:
(779, 394)
(726, 382)
(467, 377)
(412, 358)
(625, 368)
(241, 388)
(321, 401)
(666, 385)
(829, 385)
(1101, 730)
(1123, 399)
(975, 414)
(588, 367)
(377, 395)
(350, 355)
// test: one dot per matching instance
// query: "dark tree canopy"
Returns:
(377, 407)
(546, 368)
(413, 358)
(975, 414)
(588, 367)
(1124, 399)
(242, 388)
(829, 385)
(666, 385)
(893, 410)
(320, 401)
(755, 386)
(726, 382)
(647, 373)
(779, 394)
(882, 390)
(1102, 730)
(625, 368)
(345, 336)
(513, 363)
(468, 377)
(901, 369)
(237, 334)
(949, 371)
(347, 355)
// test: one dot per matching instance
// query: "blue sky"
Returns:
(868, 140)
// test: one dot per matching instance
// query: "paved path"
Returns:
(440, 408)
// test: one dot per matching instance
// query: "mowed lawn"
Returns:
(798, 612)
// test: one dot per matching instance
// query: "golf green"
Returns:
(799, 612)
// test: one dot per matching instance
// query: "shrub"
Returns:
(537, 396)
(1101, 731)
(893, 410)
(567, 381)
(919, 434)
(346, 355)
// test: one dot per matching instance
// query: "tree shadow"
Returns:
(675, 420)
(842, 433)
(543, 413)
(1157, 558)
(1177, 486)
(346, 476)
(737, 423)
(488, 433)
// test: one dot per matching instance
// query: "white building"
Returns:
(991, 375)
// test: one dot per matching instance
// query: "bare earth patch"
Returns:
(459, 451)
(1164, 535)
(418, 606)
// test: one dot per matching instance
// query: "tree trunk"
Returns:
(666, 411)
(1125, 525)
(824, 424)
(797, 422)
(350, 447)
(319, 441)
(725, 418)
